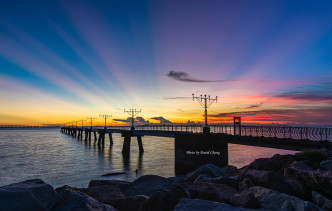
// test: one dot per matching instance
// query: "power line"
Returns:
(132, 113)
(105, 116)
(205, 102)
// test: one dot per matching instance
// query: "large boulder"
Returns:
(121, 183)
(275, 163)
(245, 200)
(230, 181)
(278, 182)
(245, 184)
(208, 169)
(104, 194)
(321, 201)
(316, 180)
(27, 195)
(274, 200)
(231, 170)
(165, 200)
(210, 191)
(71, 200)
(199, 205)
(148, 185)
(130, 203)
(326, 164)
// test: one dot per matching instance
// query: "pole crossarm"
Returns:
(205, 101)
(105, 116)
(132, 113)
(91, 120)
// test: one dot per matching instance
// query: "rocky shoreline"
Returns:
(283, 182)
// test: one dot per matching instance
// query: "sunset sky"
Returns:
(267, 61)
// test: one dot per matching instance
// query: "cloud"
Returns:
(137, 120)
(182, 76)
(306, 116)
(175, 98)
(180, 110)
(312, 92)
(161, 120)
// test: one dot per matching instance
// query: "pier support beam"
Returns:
(195, 150)
(126, 145)
(111, 138)
(140, 144)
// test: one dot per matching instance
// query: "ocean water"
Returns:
(59, 159)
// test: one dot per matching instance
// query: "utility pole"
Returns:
(132, 113)
(205, 102)
(105, 116)
(91, 119)
(82, 120)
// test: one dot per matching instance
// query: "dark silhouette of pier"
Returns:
(210, 142)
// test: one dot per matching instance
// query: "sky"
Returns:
(269, 62)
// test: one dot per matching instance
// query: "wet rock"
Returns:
(321, 201)
(70, 200)
(27, 195)
(231, 170)
(208, 169)
(230, 181)
(245, 200)
(274, 200)
(130, 203)
(165, 200)
(199, 205)
(326, 164)
(121, 183)
(148, 185)
(245, 184)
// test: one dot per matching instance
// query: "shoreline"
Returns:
(300, 182)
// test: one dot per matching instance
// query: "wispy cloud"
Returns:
(310, 116)
(162, 120)
(182, 76)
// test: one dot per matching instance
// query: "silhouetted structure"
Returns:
(205, 102)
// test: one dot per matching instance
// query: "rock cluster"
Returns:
(300, 182)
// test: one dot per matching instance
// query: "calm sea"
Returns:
(59, 159)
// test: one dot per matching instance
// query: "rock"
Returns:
(104, 194)
(112, 173)
(27, 195)
(275, 163)
(321, 201)
(245, 200)
(245, 184)
(148, 185)
(255, 175)
(279, 182)
(231, 170)
(326, 164)
(198, 205)
(121, 183)
(208, 169)
(210, 191)
(129, 203)
(165, 200)
(274, 200)
(230, 181)
(70, 200)
(316, 180)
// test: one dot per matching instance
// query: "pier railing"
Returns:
(311, 133)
